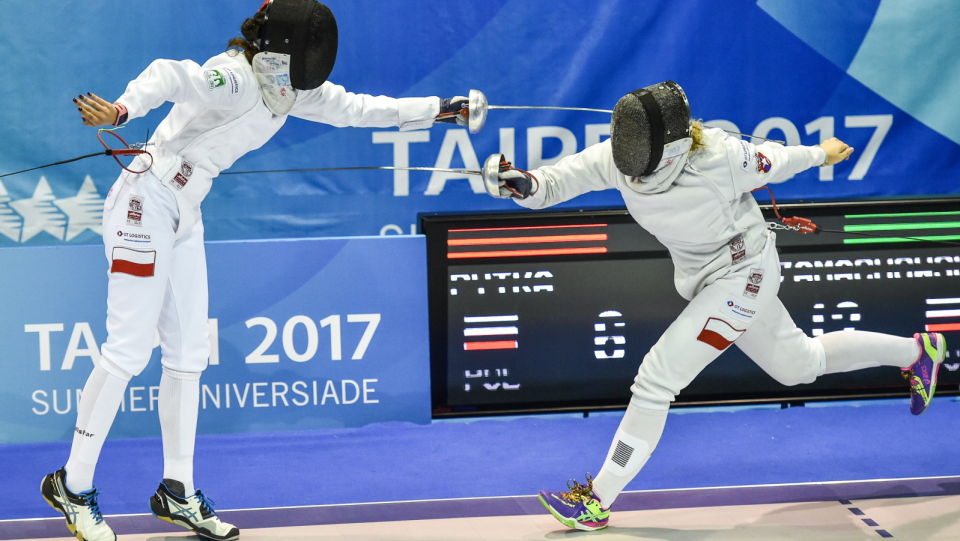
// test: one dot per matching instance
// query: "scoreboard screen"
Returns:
(553, 311)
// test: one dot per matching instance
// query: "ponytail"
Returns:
(251, 34)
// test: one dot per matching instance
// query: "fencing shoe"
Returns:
(579, 508)
(922, 374)
(194, 513)
(81, 510)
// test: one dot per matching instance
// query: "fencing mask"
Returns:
(644, 122)
(307, 31)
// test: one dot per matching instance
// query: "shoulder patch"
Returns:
(232, 80)
(222, 77)
(215, 79)
(764, 165)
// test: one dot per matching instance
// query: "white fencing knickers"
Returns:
(157, 282)
(740, 307)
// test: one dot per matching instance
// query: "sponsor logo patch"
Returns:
(135, 211)
(719, 334)
(232, 80)
(753, 283)
(179, 181)
(136, 236)
(764, 165)
(215, 79)
(738, 249)
(283, 79)
(739, 309)
(746, 155)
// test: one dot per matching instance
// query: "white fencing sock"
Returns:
(99, 402)
(636, 438)
(854, 350)
(179, 405)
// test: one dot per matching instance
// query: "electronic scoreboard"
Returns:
(555, 310)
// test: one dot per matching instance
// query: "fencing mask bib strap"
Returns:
(643, 122)
(273, 80)
(307, 31)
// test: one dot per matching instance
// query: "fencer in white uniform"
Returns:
(153, 232)
(691, 188)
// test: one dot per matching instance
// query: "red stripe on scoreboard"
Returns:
(941, 327)
(527, 240)
(499, 344)
(527, 253)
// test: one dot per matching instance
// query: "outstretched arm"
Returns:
(587, 171)
(332, 104)
(754, 166)
(185, 81)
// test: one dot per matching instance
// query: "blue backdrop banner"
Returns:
(308, 333)
(882, 75)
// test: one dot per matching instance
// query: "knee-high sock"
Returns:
(853, 350)
(99, 402)
(179, 405)
(636, 438)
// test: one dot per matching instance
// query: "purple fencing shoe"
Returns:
(922, 374)
(579, 508)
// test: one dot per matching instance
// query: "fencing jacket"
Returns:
(218, 116)
(700, 212)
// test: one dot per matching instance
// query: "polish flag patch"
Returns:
(133, 262)
(719, 334)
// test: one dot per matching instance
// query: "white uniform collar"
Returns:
(669, 168)
(273, 77)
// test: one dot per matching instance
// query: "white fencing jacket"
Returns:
(219, 115)
(698, 211)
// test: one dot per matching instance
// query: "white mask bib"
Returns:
(273, 78)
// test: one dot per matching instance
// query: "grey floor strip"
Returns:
(510, 506)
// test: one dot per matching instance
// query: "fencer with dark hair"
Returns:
(690, 187)
(153, 232)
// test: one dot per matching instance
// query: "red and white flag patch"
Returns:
(134, 262)
(719, 334)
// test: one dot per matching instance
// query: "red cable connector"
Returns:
(794, 223)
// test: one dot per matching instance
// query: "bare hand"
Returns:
(837, 150)
(96, 111)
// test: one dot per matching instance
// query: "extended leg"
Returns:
(782, 350)
(185, 345)
(634, 442)
(854, 350)
(100, 400)
(138, 261)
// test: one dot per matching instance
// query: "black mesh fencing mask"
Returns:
(307, 31)
(643, 122)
